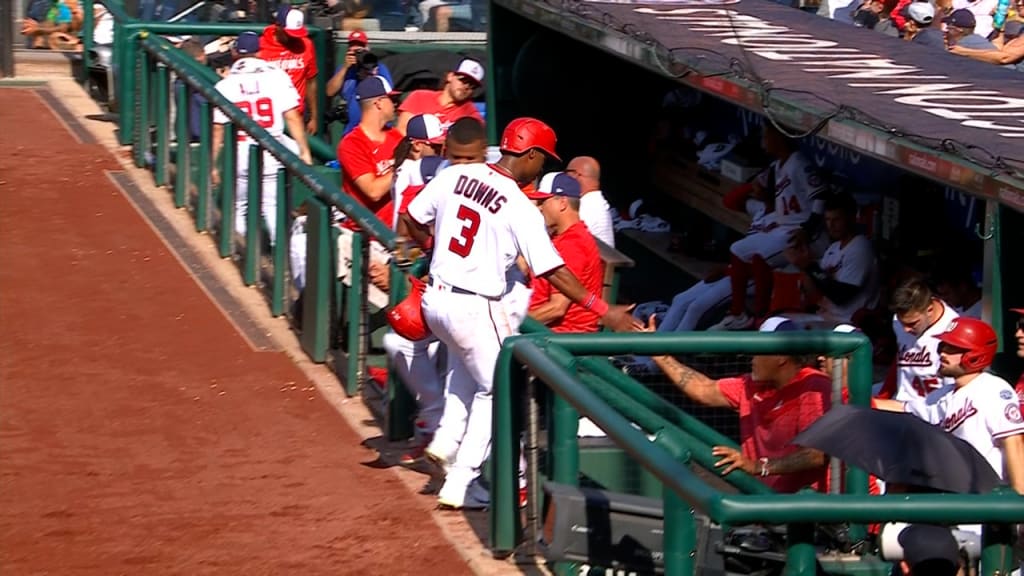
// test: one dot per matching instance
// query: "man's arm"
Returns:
(418, 232)
(375, 187)
(694, 384)
(314, 105)
(889, 405)
(1009, 54)
(293, 119)
(218, 143)
(802, 459)
(617, 318)
(1013, 461)
(551, 311)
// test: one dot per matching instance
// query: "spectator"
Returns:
(779, 398)
(558, 196)
(928, 550)
(978, 407)
(441, 13)
(417, 160)
(193, 48)
(960, 27)
(955, 284)
(919, 317)
(1009, 49)
(286, 45)
(45, 22)
(451, 102)
(874, 15)
(982, 11)
(796, 187)
(266, 94)
(359, 63)
(367, 158)
(846, 280)
(919, 27)
(594, 209)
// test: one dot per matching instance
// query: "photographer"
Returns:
(359, 63)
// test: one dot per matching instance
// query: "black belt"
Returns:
(457, 290)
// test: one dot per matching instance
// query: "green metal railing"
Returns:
(153, 59)
(554, 359)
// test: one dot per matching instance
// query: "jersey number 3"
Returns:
(463, 243)
(261, 110)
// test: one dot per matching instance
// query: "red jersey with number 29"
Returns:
(481, 222)
(261, 90)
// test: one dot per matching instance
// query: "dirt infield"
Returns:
(139, 432)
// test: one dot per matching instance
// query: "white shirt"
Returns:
(596, 214)
(261, 90)
(981, 413)
(798, 188)
(917, 358)
(852, 264)
(481, 221)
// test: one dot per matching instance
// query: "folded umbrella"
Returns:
(900, 448)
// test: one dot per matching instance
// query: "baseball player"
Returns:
(266, 94)
(798, 206)
(919, 317)
(286, 45)
(977, 407)
(420, 363)
(481, 221)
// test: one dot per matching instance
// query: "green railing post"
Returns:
(125, 48)
(563, 442)
(505, 517)
(183, 159)
(997, 550)
(163, 113)
(253, 215)
(801, 557)
(316, 294)
(203, 171)
(88, 24)
(354, 295)
(228, 184)
(141, 108)
(278, 291)
(679, 541)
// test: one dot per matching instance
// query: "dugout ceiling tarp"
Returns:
(969, 113)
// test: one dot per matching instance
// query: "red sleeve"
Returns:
(355, 159)
(889, 387)
(897, 13)
(413, 103)
(407, 195)
(1020, 389)
(541, 292)
(733, 389)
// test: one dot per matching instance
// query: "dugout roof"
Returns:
(946, 117)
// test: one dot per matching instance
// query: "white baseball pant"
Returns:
(378, 254)
(420, 366)
(517, 302)
(768, 245)
(268, 199)
(297, 252)
(689, 306)
(473, 328)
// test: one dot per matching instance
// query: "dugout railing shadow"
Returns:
(334, 322)
(670, 444)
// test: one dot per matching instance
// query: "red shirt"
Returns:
(300, 66)
(426, 102)
(579, 251)
(1020, 390)
(358, 155)
(770, 418)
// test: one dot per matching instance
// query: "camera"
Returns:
(366, 62)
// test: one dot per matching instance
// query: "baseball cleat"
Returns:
(437, 459)
(416, 453)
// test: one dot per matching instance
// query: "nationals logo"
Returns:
(1012, 413)
(955, 419)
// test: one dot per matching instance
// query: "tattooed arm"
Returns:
(692, 383)
(802, 459)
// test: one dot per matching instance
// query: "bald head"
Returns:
(587, 171)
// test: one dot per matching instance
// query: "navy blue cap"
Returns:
(556, 184)
(927, 542)
(247, 43)
(374, 87)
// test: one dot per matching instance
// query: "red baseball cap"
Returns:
(358, 37)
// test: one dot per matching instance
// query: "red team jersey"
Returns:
(358, 155)
(425, 102)
(578, 249)
(300, 66)
(770, 418)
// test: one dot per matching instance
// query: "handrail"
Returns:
(186, 68)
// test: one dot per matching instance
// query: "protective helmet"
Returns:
(974, 336)
(406, 318)
(522, 134)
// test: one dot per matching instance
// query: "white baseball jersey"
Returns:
(412, 174)
(917, 359)
(798, 188)
(481, 221)
(853, 264)
(981, 413)
(261, 90)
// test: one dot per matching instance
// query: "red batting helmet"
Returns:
(522, 134)
(976, 337)
(406, 318)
